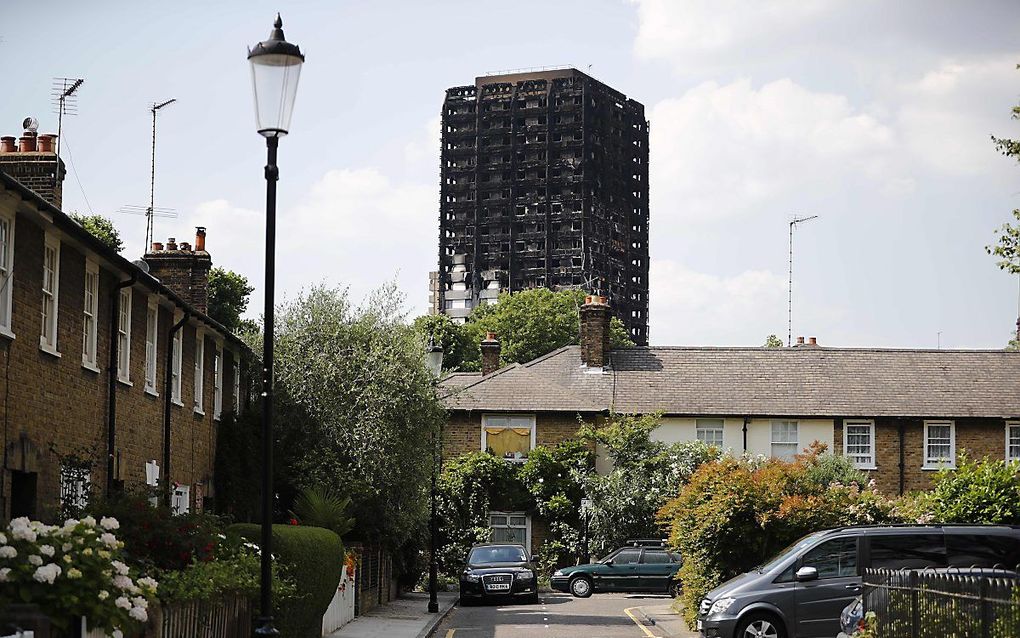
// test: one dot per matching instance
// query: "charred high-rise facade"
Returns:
(544, 184)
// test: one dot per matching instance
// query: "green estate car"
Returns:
(640, 566)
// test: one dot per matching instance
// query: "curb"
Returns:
(430, 628)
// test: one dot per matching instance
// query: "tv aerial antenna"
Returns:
(151, 211)
(64, 94)
(789, 303)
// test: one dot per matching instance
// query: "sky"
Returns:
(875, 116)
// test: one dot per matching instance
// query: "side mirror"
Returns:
(805, 574)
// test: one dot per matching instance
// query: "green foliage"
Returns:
(734, 514)
(976, 492)
(318, 506)
(455, 341)
(101, 228)
(228, 297)
(1007, 246)
(532, 323)
(313, 559)
(772, 341)
(238, 460)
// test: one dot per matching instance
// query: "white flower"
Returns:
(103, 594)
(73, 573)
(35, 560)
(66, 547)
(117, 633)
(122, 602)
(138, 601)
(8, 552)
(3, 574)
(109, 523)
(21, 529)
(3, 539)
(108, 539)
(123, 582)
(120, 567)
(47, 550)
(71, 523)
(148, 584)
(47, 573)
(138, 614)
(89, 520)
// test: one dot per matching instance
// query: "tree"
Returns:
(228, 297)
(772, 341)
(532, 323)
(1007, 246)
(442, 331)
(101, 228)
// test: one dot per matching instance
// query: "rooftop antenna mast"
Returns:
(789, 304)
(65, 101)
(152, 178)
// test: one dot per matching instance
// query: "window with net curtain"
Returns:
(509, 527)
(508, 436)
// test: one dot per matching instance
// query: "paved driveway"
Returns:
(562, 616)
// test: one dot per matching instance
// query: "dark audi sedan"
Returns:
(498, 571)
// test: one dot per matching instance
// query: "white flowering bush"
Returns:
(73, 570)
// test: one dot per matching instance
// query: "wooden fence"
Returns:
(226, 617)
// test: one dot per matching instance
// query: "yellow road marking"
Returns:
(450, 632)
(637, 622)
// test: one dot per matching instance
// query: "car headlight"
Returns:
(721, 606)
(558, 572)
(525, 575)
(471, 578)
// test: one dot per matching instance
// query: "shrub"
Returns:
(985, 491)
(313, 559)
(318, 506)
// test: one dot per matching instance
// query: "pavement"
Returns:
(563, 616)
(405, 617)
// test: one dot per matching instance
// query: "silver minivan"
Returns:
(801, 592)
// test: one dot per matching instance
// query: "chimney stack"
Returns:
(34, 163)
(595, 316)
(183, 270)
(490, 353)
(800, 341)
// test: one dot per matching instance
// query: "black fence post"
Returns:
(986, 608)
(915, 608)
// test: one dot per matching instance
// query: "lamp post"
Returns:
(275, 68)
(434, 361)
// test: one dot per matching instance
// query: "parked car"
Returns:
(801, 591)
(498, 571)
(850, 618)
(640, 566)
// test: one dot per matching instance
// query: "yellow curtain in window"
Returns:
(508, 442)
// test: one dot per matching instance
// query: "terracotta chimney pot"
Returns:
(46, 143)
(812, 341)
(800, 341)
(157, 246)
(7, 144)
(199, 238)
(27, 144)
(171, 244)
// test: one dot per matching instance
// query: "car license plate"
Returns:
(699, 625)
(498, 587)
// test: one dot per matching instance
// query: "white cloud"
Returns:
(721, 149)
(427, 146)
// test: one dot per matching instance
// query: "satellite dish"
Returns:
(30, 124)
(142, 265)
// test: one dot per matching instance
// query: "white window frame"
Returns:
(90, 317)
(705, 426)
(124, 336)
(7, 275)
(218, 381)
(181, 500)
(527, 525)
(931, 463)
(151, 345)
(199, 370)
(237, 384)
(863, 464)
(51, 298)
(177, 361)
(1012, 425)
(773, 442)
(485, 436)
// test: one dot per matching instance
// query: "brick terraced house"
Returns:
(86, 402)
(899, 414)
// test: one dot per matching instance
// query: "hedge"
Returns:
(314, 561)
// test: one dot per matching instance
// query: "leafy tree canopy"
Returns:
(228, 297)
(101, 228)
(772, 341)
(442, 331)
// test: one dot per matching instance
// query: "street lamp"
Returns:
(275, 68)
(434, 361)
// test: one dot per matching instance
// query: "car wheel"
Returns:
(674, 588)
(760, 626)
(581, 587)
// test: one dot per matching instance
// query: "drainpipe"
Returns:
(902, 436)
(111, 412)
(168, 403)
(747, 420)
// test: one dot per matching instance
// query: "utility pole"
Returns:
(789, 303)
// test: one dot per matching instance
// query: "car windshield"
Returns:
(792, 549)
(497, 554)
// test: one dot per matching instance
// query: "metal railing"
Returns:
(943, 603)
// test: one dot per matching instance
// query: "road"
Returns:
(563, 616)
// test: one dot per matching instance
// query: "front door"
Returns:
(622, 575)
(819, 602)
(657, 569)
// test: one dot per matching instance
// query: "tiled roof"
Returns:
(758, 381)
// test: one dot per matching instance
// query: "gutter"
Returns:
(168, 401)
(111, 413)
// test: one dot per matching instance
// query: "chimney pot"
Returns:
(157, 246)
(7, 144)
(812, 341)
(171, 244)
(46, 143)
(490, 353)
(800, 341)
(27, 144)
(200, 238)
(185, 246)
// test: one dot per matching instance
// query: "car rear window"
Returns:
(656, 557)
(907, 551)
(983, 550)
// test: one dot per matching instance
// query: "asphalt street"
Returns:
(563, 616)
